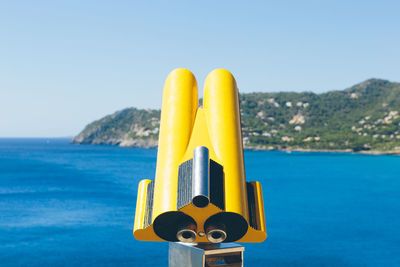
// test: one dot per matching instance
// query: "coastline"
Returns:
(153, 144)
(365, 152)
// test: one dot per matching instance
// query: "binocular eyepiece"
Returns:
(216, 235)
(187, 235)
(213, 234)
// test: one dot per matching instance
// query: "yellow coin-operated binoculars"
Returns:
(200, 194)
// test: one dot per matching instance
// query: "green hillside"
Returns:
(365, 117)
(128, 127)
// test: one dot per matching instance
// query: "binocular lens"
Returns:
(216, 236)
(186, 235)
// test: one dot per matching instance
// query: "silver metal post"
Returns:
(205, 254)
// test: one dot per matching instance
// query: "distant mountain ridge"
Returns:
(364, 117)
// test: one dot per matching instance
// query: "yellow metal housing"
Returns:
(165, 206)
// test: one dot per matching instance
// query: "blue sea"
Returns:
(72, 205)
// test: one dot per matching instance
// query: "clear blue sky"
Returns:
(66, 63)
